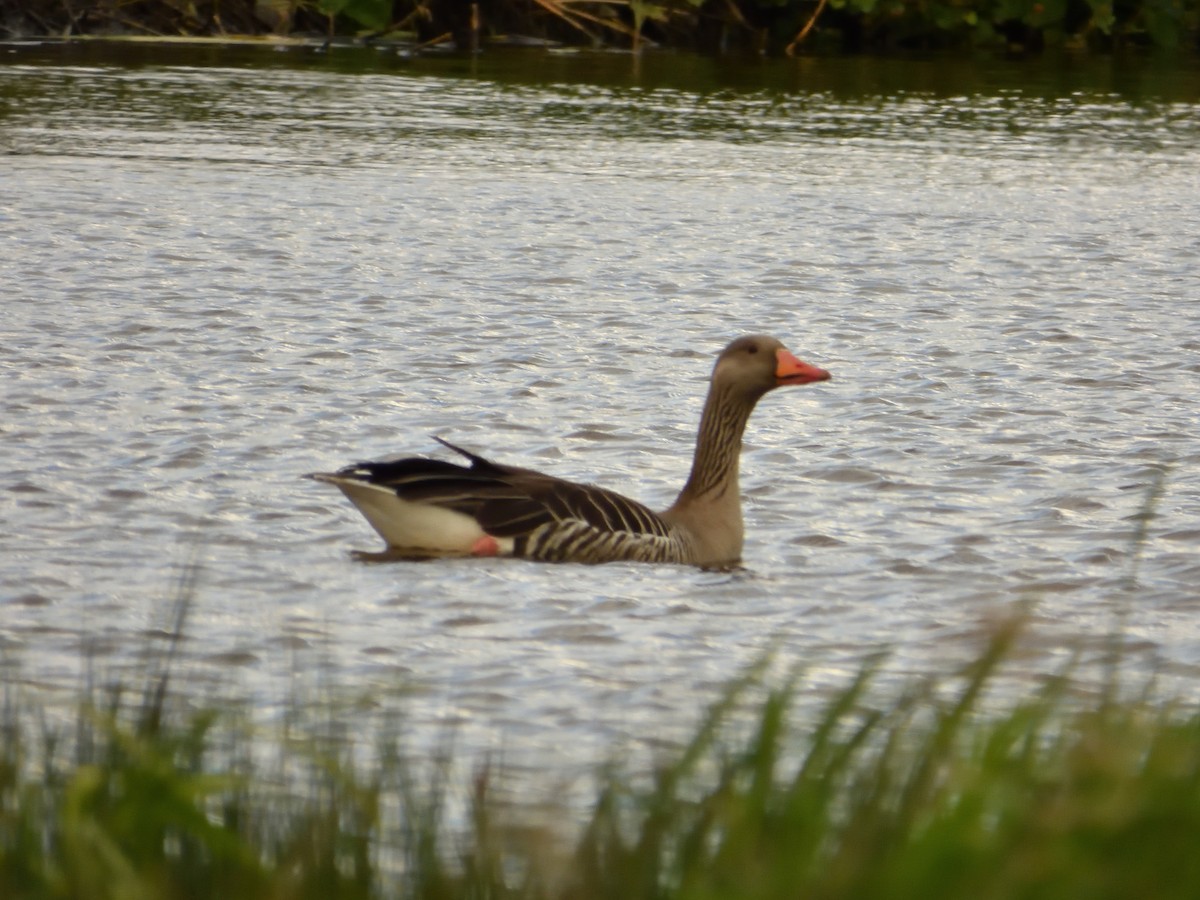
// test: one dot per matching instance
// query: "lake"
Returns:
(225, 267)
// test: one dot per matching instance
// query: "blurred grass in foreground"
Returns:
(933, 793)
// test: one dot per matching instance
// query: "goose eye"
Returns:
(753, 348)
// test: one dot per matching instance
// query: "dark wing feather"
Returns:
(508, 501)
(599, 508)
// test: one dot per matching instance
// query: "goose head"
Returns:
(757, 363)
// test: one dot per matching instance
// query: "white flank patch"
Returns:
(415, 526)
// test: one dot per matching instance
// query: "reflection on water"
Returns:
(220, 277)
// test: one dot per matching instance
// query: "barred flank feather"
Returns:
(577, 541)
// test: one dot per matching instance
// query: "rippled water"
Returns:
(220, 276)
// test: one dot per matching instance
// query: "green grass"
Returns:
(939, 790)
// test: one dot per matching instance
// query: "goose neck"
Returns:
(714, 473)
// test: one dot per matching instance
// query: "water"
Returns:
(224, 269)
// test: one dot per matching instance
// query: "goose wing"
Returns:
(508, 501)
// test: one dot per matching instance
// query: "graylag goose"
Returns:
(431, 508)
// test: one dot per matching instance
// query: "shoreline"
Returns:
(740, 27)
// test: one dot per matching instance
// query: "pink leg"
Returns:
(485, 546)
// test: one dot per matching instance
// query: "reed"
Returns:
(937, 790)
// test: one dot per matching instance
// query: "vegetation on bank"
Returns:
(939, 792)
(773, 26)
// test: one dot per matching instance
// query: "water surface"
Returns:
(224, 269)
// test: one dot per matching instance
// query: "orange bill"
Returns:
(789, 370)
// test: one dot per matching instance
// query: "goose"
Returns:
(432, 508)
